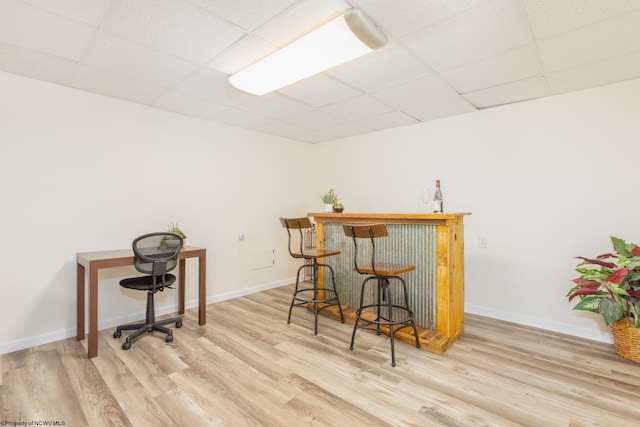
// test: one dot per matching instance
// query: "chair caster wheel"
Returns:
(179, 324)
(117, 334)
(126, 345)
(169, 338)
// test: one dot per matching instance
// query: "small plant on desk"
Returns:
(173, 227)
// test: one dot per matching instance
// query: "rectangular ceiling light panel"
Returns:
(340, 40)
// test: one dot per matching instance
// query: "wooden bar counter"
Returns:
(434, 243)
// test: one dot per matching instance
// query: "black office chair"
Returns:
(155, 255)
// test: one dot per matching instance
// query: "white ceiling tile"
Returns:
(275, 106)
(35, 29)
(415, 93)
(616, 37)
(521, 90)
(432, 109)
(115, 55)
(214, 86)
(390, 65)
(358, 108)
(315, 120)
(318, 91)
(600, 73)
(484, 31)
(315, 136)
(517, 64)
(401, 19)
(239, 118)
(247, 14)
(551, 17)
(188, 105)
(349, 129)
(174, 27)
(286, 130)
(36, 65)
(242, 54)
(178, 54)
(89, 12)
(114, 85)
(299, 20)
(389, 120)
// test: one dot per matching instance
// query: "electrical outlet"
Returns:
(482, 242)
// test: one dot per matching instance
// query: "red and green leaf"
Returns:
(599, 261)
(618, 276)
(585, 290)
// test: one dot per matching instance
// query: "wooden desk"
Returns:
(94, 261)
(434, 243)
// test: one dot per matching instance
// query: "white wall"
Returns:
(81, 172)
(545, 180)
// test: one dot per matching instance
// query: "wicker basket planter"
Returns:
(626, 338)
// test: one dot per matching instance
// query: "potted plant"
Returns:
(328, 199)
(609, 285)
(173, 227)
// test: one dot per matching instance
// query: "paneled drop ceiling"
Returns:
(444, 57)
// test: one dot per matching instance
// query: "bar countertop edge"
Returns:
(418, 216)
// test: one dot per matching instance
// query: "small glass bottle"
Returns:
(438, 204)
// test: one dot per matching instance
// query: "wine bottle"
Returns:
(438, 204)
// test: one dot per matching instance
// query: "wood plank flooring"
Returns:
(247, 367)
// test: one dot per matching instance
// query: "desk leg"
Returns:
(202, 290)
(93, 311)
(181, 286)
(80, 302)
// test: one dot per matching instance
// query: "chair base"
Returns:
(301, 297)
(149, 325)
(394, 325)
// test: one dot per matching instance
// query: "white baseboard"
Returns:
(249, 291)
(536, 322)
(113, 322)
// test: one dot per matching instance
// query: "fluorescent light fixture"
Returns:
(342, 39)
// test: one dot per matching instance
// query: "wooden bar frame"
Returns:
(449, 270)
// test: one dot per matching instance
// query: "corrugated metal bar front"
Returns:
(406, 244)
(309, 244)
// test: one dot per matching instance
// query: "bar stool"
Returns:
(321, 298)
(398, 315)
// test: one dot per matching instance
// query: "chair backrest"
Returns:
(157, 253)
(301, 224)
(365, 231)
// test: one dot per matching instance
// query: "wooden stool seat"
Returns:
(385, 269)
(315, 254)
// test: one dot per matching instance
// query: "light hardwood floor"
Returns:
(247, 367)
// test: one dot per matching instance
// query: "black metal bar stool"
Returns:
(321, 298)
(398, 314)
